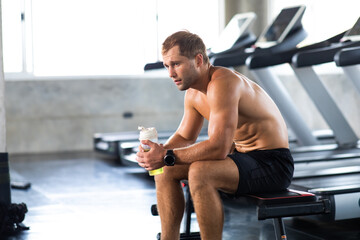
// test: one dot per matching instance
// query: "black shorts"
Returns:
(263, 170)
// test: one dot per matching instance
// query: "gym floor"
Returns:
(84, 196)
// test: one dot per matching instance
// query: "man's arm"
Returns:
(223, 98)
(189, 128)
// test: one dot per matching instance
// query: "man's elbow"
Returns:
(220, 149)
(221, 152)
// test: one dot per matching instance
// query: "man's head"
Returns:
(184, 56)
(189, 45)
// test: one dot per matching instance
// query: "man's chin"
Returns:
(181, 87)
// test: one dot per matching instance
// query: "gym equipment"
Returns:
(5, 195)
(302, 63)
(276, 206)
(328, 171)
(11, 218)
(122, 146)
(331, 172)
(259, 66)
(302, 59)
(235, 36)
(349, 59)
(343, 192)
(284, 33)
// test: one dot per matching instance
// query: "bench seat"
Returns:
(287, 203)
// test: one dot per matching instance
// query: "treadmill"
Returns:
(349, 58)
(235, 36)
(302, 64)
(335, 177)
(347, 150)
(121, 146)
(343, 191)
(328, 172)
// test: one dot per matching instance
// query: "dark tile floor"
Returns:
(83, 196)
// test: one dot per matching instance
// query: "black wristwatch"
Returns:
(169, 158)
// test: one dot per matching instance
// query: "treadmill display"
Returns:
(237, 27)
(354, 33)
(282, 25)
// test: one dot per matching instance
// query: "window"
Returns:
(12, 35)
(97, 37)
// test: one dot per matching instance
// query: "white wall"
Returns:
(55, 115)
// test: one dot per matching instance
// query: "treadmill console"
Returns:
(353, 34)
(288, 20)
(237, 27)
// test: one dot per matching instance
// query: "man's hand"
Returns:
(152, 159)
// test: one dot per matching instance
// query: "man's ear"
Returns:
(199, 59)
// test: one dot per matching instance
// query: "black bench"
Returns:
(276, 206)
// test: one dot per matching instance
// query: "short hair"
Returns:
(189, 44)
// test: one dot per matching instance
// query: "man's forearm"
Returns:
(202, 151)
(177, 141)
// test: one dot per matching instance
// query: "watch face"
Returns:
(169, 160)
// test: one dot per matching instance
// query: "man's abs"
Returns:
(261, 135)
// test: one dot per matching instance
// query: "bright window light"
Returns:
(99, 37)
(12, 35)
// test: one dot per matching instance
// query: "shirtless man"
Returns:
(241, 116)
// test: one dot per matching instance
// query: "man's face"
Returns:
(181, 69)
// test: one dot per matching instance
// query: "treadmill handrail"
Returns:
(313, 57)
(239, 58)
(277, 58)
(336, 189)
(347, 56)
(231, 60)
(152, 66)
(243, 42)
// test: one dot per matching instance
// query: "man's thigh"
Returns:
(221, 174)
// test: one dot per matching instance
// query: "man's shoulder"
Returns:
(221, 74)
(224, 77)
(191, 95)
(221, 71)
(191, 92)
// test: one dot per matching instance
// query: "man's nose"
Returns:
(172, 72)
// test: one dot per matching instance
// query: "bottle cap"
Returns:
(147, 133)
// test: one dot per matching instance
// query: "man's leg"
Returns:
(170, 200)
(205, 179)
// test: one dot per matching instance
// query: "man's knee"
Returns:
(197, 170)
(198, 176)
(174, 173)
